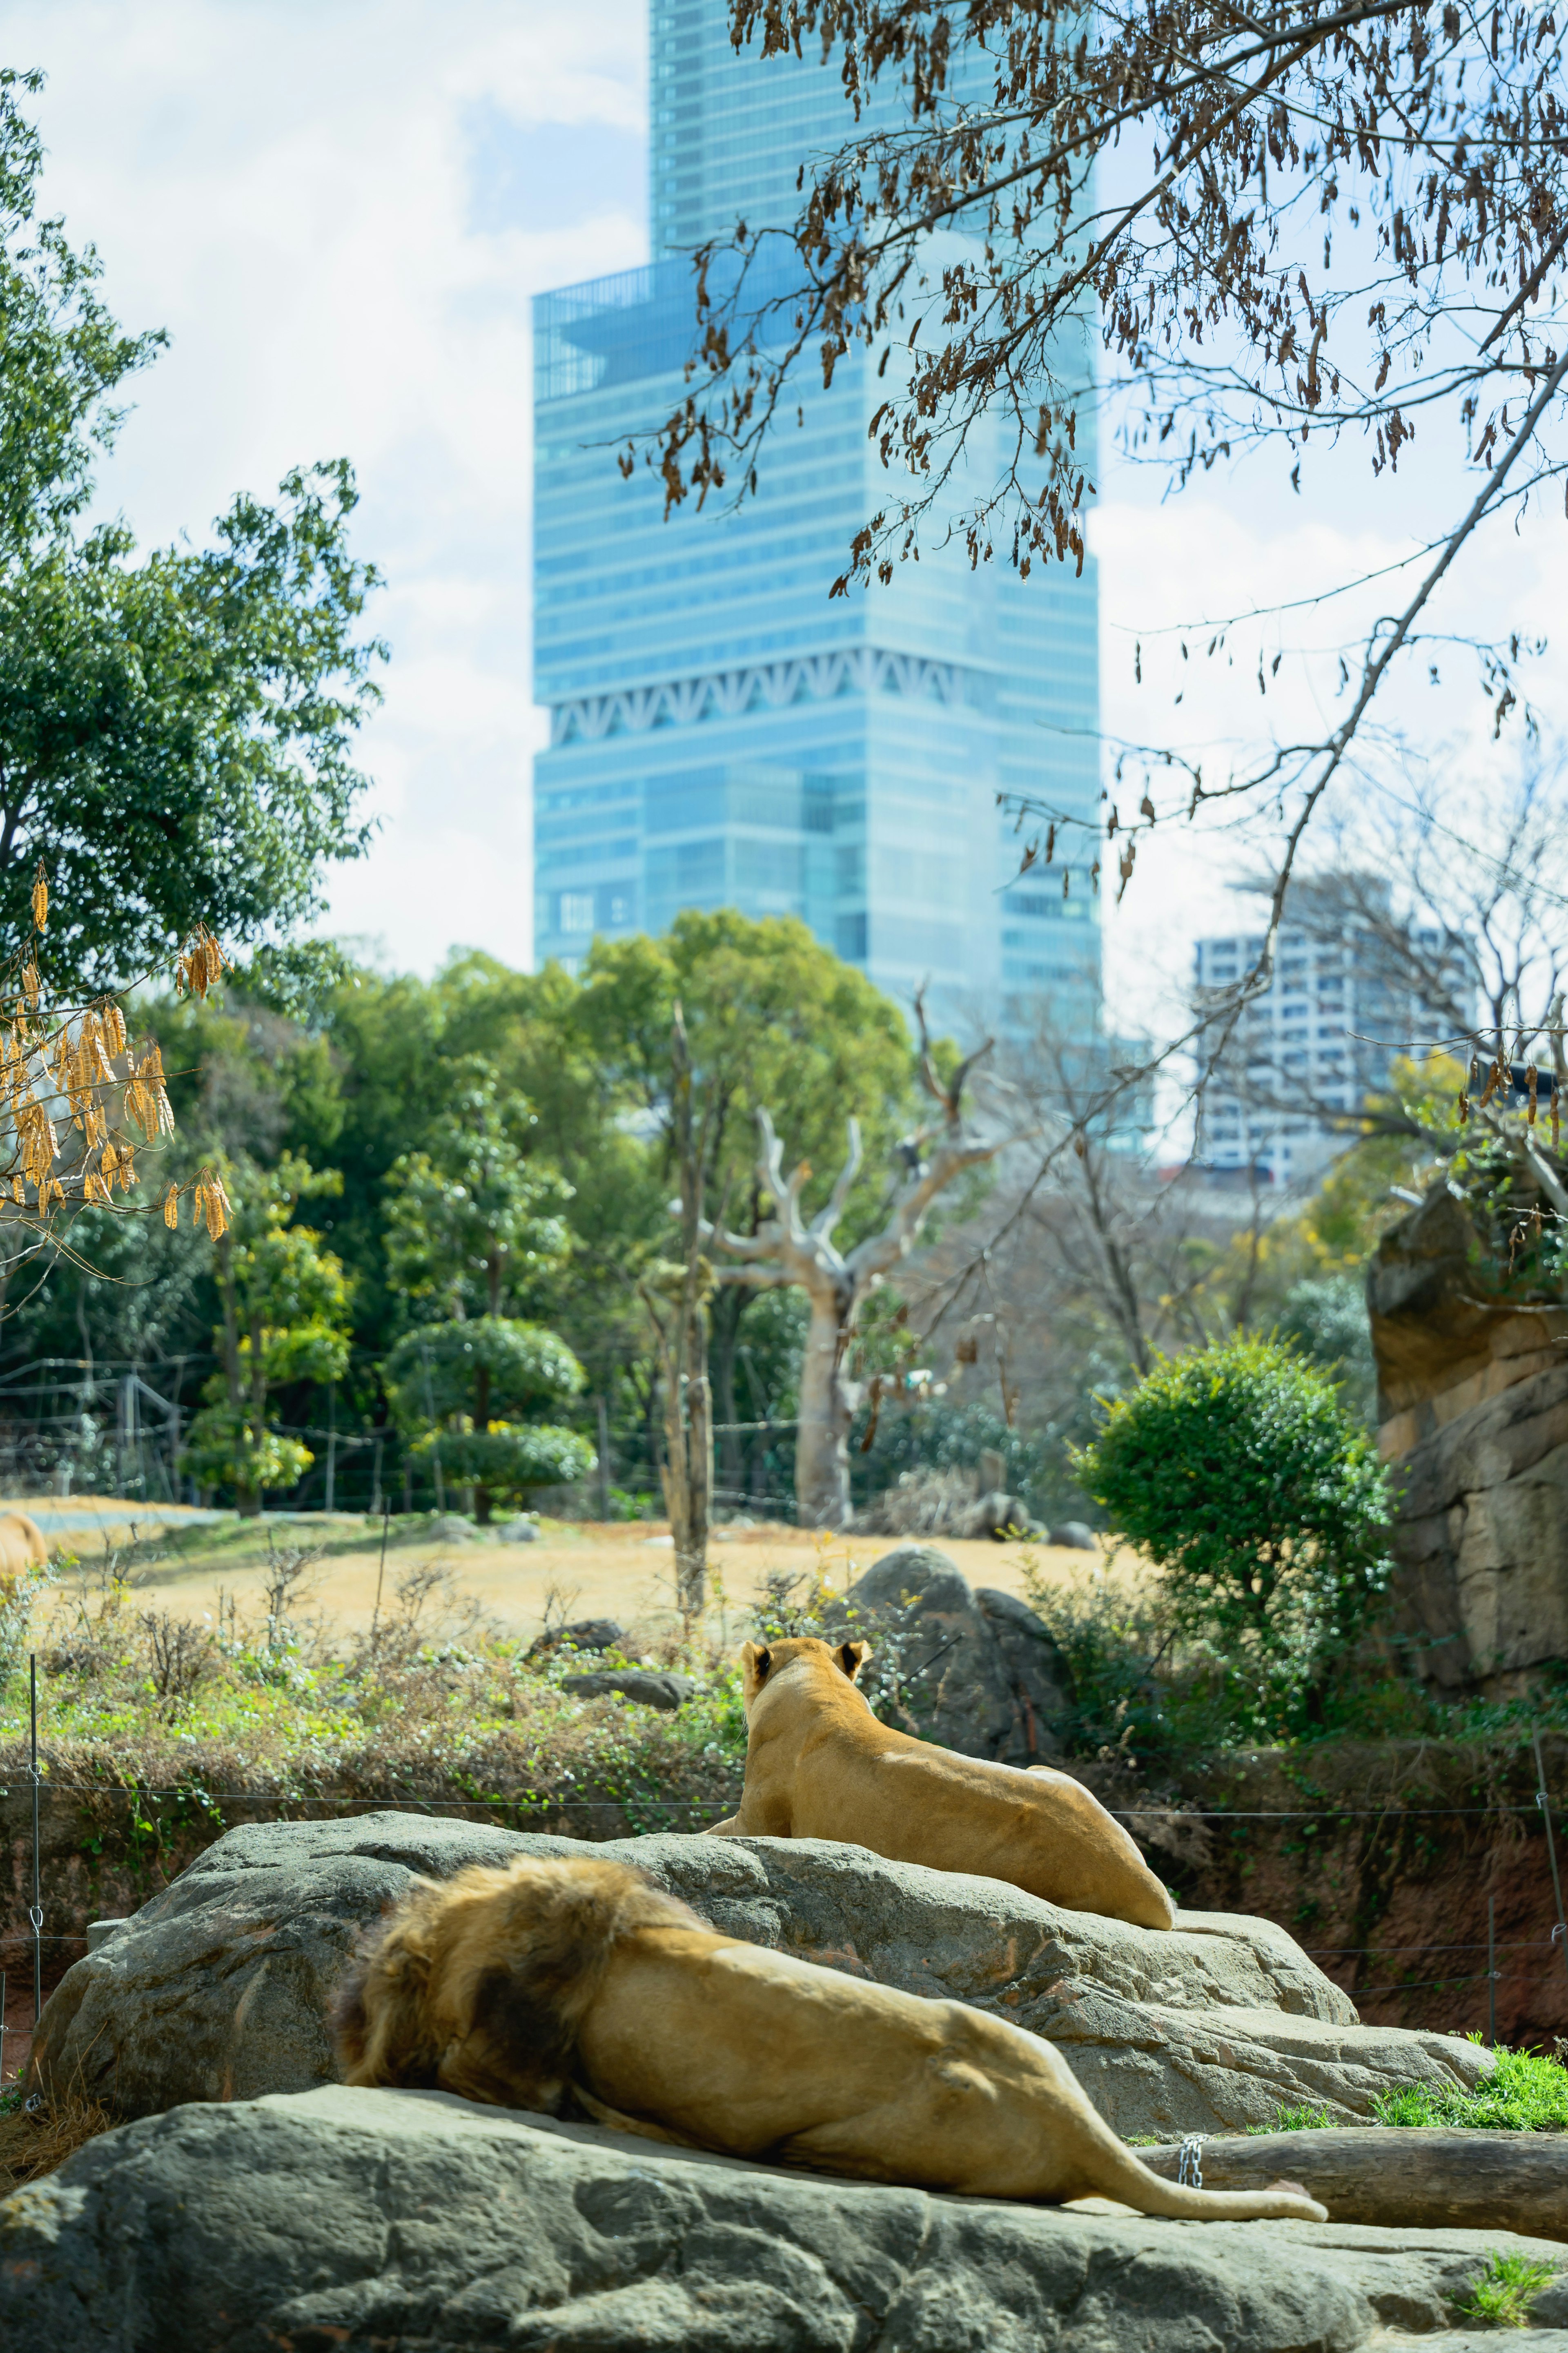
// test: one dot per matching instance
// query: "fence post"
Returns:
(35, 1910)
(332, 1442)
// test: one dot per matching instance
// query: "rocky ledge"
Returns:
(408, 2219)
(218, 1990)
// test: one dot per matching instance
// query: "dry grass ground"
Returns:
(578, 1569)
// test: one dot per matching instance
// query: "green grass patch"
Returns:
(1303, 2119)
(1505, 2291)
(1528, 2092)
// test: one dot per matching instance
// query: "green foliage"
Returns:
(1528, 2092)
(228, 1447)
(434, 1381)
(1505, 2290)
(504, 1460)
(62, 354)
(1239, 1472)
(432, 1372)
(1109, 1636)
(468, 1222)
(1301, 2119)
(285, 1302)
(175, 729)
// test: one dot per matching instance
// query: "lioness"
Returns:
(820, 1765)
(526, 1984)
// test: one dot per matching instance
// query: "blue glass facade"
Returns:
(722, 733)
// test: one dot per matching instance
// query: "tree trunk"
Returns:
(682, 1323)
(687, 1470)
(827, 1401)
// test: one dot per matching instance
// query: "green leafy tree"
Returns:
(776, 1023)
(472, 1226)
(175, 730)
(463, 1392)
(285, 1306)
(1239, 1472)
(471, 1221)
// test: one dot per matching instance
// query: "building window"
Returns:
(577, 910)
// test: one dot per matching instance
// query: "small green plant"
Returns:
(1505, 2291)
(1301, 2119)
(1527, 2093)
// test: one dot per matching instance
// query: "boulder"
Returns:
(997, 1515)
(1075, 1536)
(218, 1988)
(584, 1634)
(981, 1673)
(451, 1527)
(521, 1532)
(404, 2218)
(649, 1690)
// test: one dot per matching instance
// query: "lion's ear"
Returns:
(755, 1660)
(852, 1657)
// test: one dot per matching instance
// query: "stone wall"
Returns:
(1473, 1390)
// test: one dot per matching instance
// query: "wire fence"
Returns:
(81, 1426)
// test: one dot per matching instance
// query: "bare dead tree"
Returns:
(786, 1250)
(678, 1310)
(1353, 221)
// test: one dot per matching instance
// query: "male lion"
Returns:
(524, 1985)
(820, 1765)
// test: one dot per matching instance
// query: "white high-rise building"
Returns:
(1342, 1006)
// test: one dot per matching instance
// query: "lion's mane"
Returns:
(478, 1984)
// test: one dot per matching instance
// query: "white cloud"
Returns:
(339, 212)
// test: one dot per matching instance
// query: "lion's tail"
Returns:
(1135, 2185)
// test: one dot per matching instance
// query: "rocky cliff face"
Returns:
(1473, 1387)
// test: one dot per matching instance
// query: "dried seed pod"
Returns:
(41, 898)
(171, 1207)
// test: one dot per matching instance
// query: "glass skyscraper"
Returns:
(721, 732)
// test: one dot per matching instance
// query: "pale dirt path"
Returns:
(622, 1570)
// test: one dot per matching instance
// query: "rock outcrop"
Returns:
(1473, 1389)
(218, 1988)
(348, 2217)
(982, 1675)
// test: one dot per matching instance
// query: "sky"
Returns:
(339, 211)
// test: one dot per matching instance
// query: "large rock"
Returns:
(981, 1673)
(1473, 1390)
(409, 2218)
(218, 1988)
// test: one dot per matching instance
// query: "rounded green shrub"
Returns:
(1239, 1472)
